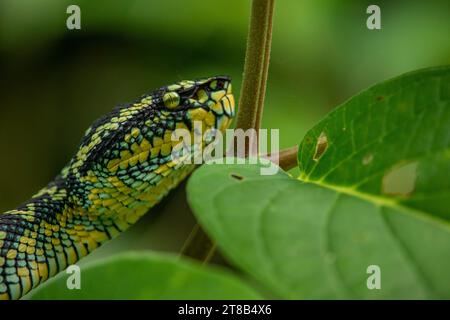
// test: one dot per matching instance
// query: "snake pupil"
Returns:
(171, 100)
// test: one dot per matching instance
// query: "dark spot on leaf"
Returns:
(237, 177)
(321, 146)
(380, 98)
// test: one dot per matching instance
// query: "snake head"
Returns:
(128, 152)
(208, 100)
(153, 117)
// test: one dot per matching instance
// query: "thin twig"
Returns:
(287, 158)
(198, 245)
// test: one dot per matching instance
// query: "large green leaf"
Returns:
(397, 129)
(144, 275)
(374, 190)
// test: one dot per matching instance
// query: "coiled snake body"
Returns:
(122, 168)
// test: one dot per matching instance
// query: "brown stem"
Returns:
(256, 65)
(265, 71)
(199, 245)
(287, 158)
(251, 102)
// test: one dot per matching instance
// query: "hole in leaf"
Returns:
(237, 177)
(321, 146)
(367, 159)
(401, 180)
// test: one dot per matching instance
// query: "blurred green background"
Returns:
(55, 82)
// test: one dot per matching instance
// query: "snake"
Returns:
(122, 168)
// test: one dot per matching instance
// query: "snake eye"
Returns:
(171, 100)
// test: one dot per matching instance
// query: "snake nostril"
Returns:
(220, 85)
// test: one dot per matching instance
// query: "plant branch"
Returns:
(265, 71)
(199, 245)
(251, 102)
(286, 158)
(256, 65)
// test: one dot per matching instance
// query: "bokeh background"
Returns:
(54, 82)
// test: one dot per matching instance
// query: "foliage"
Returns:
(373, 190)
(145, 275)
(373, 186)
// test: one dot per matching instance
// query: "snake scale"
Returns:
(122, 168)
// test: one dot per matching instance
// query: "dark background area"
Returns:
(55, 82)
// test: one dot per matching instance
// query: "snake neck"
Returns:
(43, 236)
(50, 232)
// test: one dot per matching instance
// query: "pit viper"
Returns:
(123, 166)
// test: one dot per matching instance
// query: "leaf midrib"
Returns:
(382, 201)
